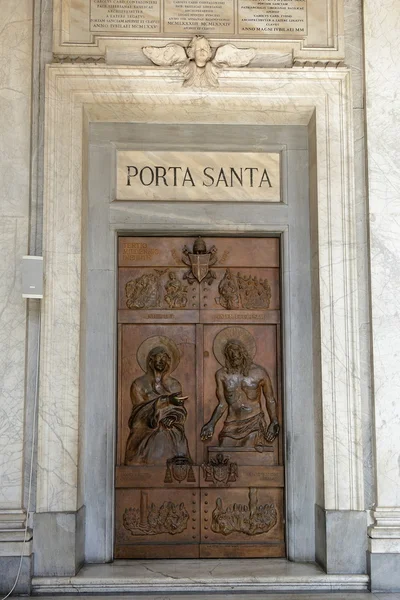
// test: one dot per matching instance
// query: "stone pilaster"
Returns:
(382, 87)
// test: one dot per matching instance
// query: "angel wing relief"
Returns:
(196, 63)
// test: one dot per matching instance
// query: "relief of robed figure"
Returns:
(157, 421)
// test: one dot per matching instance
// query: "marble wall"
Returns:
(15, 141)
(383, 109)
(15, 107)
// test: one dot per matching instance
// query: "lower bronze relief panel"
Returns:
(164, 516)
(242, 522)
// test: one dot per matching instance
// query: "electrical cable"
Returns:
(32, 461)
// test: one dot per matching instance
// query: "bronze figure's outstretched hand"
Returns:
(207, 432)
(272, 431)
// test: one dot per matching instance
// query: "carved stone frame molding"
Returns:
(80, 94)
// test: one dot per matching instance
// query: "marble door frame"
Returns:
(78, 95)
(107, 218)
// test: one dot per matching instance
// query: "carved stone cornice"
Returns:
(319, 64)
(78, 59)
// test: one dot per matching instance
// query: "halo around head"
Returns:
(152, 342)
(230, 334)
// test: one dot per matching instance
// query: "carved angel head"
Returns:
(199, 50)
(196, 62)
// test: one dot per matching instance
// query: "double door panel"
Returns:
(199, 459)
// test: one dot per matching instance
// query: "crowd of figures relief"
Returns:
(152, 520)
(160, 287)
(150, 291)
(251, 518)
(243, 291)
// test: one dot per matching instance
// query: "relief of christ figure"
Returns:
(241, 386)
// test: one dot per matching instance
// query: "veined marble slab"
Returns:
(201, 176)
(15, 98)
(202, 576)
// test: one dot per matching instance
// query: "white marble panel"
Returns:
(383, 104)
(58, 457)
(15, 96)
(13, 242)
(383, 109)
(198, 176)
(385, 273)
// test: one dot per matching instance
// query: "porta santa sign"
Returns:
(198, 176)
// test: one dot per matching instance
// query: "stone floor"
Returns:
(203, 576)
(240, 596)
(211, 579)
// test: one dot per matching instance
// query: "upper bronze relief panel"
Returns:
(278, 30)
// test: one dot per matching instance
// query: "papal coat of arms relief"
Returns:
(199, 259)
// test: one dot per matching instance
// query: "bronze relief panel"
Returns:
(240, 394)
(252, 516)
(246, 289)
(157, 288)
(157, 394)
(169, 251)
(199, 410)
(161, 517)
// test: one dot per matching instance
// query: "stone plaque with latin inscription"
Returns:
(242, 17)
(310, 29)
(135, 16)
(272, 17)
(198, 176)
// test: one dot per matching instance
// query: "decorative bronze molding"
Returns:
(251, 519)
(199, 260)
(220, 470)
(149, 520)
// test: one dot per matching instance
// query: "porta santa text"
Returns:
(172, 176)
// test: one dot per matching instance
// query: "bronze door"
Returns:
(200, 456)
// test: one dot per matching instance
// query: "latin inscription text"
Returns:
(249, 18)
